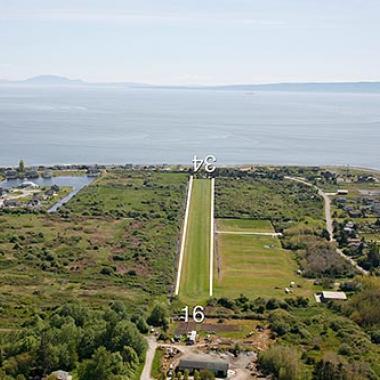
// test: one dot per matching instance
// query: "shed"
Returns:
(203, 362)
(329, 295)
(191, 337)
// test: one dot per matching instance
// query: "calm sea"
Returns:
(109, 125)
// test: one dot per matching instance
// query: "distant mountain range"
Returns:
(55, 80)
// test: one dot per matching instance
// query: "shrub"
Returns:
(159, 316)
(108, 271)
(282, 362)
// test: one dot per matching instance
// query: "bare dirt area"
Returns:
(236, 341)
(241, 367)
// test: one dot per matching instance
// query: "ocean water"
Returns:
(110, 125)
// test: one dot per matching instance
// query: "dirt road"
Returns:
(152, 345)
(329, 223)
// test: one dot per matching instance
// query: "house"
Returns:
(31, 174)
(11, 203)
(355, 213)
(34, 204)
(325, 296)
(376, 208)
(93, 172)
(61, 375)
(47, 174)
(366, 179)
(11, 174)
(30, 184)
(203, 362)
(341, 200)
(328, 175)
(342, 192)
(191, 337)
(52, 191)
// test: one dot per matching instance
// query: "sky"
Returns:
(191, 41)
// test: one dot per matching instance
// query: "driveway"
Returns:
(152, 345)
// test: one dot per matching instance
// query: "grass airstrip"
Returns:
(194, 286)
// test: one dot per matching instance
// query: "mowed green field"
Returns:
(254, 265)
(245, 225)
(195, 280)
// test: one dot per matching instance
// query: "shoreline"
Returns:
(179, 166)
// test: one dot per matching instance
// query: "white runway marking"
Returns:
(274, 234)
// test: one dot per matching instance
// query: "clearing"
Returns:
(254, 265)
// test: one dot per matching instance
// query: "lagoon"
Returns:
(77, 183)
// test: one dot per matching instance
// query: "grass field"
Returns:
(48, 260)
(245, 225)
(284, 203)
(194, 286)
(254, 265)
(136, 194)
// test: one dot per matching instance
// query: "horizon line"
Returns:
(143, 83)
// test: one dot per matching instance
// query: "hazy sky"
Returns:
(191, 41)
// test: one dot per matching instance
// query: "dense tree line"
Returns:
(102, 344)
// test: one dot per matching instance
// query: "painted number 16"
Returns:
(208, 162)
(198, 314)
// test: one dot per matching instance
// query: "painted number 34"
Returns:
(208, 163)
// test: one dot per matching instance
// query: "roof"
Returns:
(334, 295)
(29, 184)
(61, 375)
(203, 362)
(192, 335)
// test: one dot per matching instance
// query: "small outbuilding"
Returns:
(330, 296)
(203, 362)
(191, 337)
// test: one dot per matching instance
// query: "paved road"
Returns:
(152, 345)
(329, 223)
